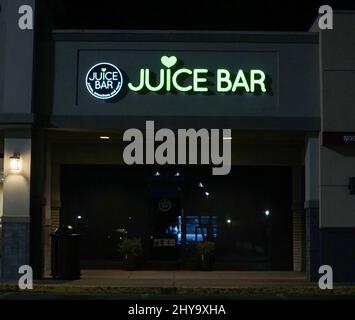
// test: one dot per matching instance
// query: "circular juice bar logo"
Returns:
(104, 81)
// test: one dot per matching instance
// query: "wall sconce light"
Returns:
(15, 162)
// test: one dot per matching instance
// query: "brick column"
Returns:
(298, 218)
(312, 183)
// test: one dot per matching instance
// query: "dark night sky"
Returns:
(242, 15)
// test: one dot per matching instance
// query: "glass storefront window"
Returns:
(198, 228)
(247, 213)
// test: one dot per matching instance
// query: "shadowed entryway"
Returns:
(247, 213)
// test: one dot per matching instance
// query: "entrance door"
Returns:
(165, 197)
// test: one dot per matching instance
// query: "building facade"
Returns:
(287, 98)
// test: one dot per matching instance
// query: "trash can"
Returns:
(65, 253)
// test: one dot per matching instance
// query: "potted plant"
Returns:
(206, 252)
(131, 248)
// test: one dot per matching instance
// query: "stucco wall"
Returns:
(337, 206)
(338, 63)
(2, 50)
(16, 61)
(17, 186)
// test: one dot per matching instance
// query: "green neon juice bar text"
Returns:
(197, 80)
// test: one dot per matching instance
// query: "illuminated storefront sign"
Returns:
(105, 80)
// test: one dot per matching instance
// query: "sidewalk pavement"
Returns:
(186, 279)
(120, 284)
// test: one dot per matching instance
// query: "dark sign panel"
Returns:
(238, 85)
(338, 138)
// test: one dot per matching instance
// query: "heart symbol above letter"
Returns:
(168, 61)
(103, 70)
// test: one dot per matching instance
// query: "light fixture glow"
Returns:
(200, 185)
(267, 212)
(157, 174)
(79, 217)
(104, 137)
(207, 194)
(15, 162)
(177, 174)
(229, 221)
(227, 138)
